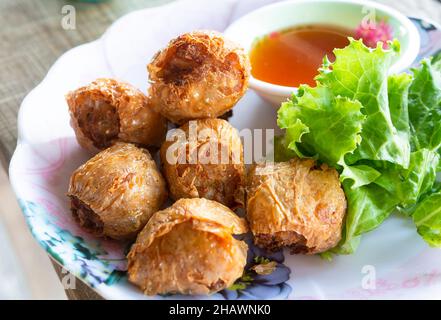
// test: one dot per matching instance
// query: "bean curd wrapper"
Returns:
(107, 111)
(209, 165)
(116, 192)
(189, 248)
(295, 204)
(198, 75)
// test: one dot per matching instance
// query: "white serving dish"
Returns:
(47, 153)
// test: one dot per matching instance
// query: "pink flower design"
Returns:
(373, 32)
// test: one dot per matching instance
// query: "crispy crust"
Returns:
(107, 111)
(120, 188)
(198, 75)
(223, 181)
(295, 204)
(188, 248)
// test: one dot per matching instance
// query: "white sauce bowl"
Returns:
(344, 13)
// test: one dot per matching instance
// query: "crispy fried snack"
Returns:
(188, 248)
(107, 111)
(199, 75)
(207, 162)
(115, 193)
(295, 204)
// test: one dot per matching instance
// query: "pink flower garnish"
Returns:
(274, 34)
(373, 32)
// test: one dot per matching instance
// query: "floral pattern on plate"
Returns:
(86, 260)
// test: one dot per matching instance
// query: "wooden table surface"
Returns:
(31, 39)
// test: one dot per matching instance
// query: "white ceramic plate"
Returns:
(47, 153)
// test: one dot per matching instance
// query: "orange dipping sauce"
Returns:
(292, 56)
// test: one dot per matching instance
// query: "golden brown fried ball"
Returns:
(204, 159)
(189, 248)
(107, 111)
(199, 75)
(295, 204)
(115, 193)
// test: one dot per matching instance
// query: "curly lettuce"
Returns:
(361, 74)
(381, 132)
(325, 124)
(427, 218)
(425, 106)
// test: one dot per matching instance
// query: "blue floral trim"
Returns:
(83, 259)
(261, 286)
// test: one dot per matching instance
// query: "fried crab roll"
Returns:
(204, 159)
(115, 193)
(295, 204)
(189, 248)
(107, 111)
(198, 75)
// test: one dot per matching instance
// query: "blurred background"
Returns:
(31, 39)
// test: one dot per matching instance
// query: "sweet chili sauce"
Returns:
(292, 56)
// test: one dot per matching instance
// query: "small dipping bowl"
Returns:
(347, 14)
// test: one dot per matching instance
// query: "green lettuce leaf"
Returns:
(398, 92)
(409, 184)
(361, 74)
(327, 126)
(403, 187)
(281, 152)
(374, 192)
(360, 174)
(427, 218)
(368, 207)
(425, 106)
